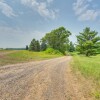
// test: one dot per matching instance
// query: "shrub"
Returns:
(52, 51)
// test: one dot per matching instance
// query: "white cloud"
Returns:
(41, 8)
(84, 10)
(6, 9)
(89, 15)
(79, 6)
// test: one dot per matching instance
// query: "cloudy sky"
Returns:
(23, 20)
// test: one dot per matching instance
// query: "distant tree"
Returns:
(37, 47)
(87, 42)
(34, 45)
(57, 39)
(71, 47)
(43, 46)
(26, 47)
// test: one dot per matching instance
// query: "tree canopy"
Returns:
(34, 45)
(57, 39)
(71, 47)
(87, 42)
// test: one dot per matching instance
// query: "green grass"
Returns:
(4, 51)
(24, 56)
(89, 67)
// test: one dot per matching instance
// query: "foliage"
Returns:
(57, 39)
(52, 51)
(34, 45)
(43, 46)
(87, 42)
(98, 49)
(71, 47)
(26, 47)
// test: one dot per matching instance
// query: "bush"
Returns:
(52, 51)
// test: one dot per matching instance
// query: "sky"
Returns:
(23, 20)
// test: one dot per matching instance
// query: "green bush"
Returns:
(52, 51)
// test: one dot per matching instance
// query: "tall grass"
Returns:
(89, 67)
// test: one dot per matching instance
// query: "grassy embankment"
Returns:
(23, 56)
(89, 67)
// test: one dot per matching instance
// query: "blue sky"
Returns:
(23, 20)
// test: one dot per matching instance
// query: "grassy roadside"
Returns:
(89, 67)
(25, 56)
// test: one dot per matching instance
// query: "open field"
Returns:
(12, 57)
(89, 67)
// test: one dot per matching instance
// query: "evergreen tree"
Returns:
(43, 46)
(87, 42)
(26, 47)
(37, 47)
(34, 45)
(71, 47)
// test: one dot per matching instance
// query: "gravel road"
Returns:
(40, 80)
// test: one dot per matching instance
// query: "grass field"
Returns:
(89, 67)
(23, 56)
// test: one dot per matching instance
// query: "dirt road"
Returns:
(41, 80)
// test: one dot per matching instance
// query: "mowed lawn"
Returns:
(8, 57)
(89, 67)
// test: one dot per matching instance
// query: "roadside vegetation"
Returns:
(88, 67)
(57, 39)
(25, 56)
(86, 61)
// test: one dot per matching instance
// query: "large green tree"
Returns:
(87, 42)
(57, 39)
(34, 45)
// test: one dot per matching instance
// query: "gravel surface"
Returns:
(40, 80)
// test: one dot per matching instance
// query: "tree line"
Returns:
(88, 42)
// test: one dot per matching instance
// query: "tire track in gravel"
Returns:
(41, 80)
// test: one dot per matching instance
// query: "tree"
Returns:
(37, 47)
(43, 46)
(26, 47)
(71, 47)
(34, 45)
(57, 39)
(87, 42)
